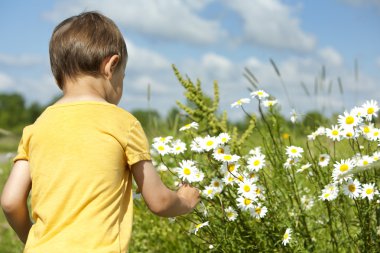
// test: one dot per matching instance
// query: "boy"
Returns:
(79, 156)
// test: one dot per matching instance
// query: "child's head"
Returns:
(80, 44)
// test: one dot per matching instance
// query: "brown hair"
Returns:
(81, 43)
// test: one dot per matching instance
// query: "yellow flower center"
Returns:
(256, 162)
(227, 157)
(216, 184)
(220, 151)
(343, 167)
(285, 136)
(247, 202)
(335, 132)
(366, 129)
(240, 177)
(321, 159)
(370, 110)
(230, 214)
(349, 134)
(246, 188)
(286, 236)
(178, 148)
(224, 139)
(375, 133)
(365, 162)
(369, 191)
(258, 210)
(186, 171)
(260, 93)
(209, 143)
(230, 179)
(209, 191)
(293, 150)
(231, 167)
(350, 120)
(258, 191)
(352, 188)
(161, 148)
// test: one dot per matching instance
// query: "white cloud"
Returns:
(24, 60)
(271, 23)
(6, 81)
(330, 56)
(167, 19)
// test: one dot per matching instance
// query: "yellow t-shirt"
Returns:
(80, 156)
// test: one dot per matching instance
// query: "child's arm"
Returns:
(14, 199)
(159, 199)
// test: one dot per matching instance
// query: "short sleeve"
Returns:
(23, 147)
(137, 148)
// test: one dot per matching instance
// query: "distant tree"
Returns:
(12, 111)
(313, 120)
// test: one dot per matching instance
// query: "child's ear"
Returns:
(110, 65)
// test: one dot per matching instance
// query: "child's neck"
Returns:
(85, 88)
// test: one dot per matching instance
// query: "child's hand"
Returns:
(190, 195)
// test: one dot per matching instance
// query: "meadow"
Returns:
(269, 184)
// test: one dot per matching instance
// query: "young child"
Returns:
(79, 156)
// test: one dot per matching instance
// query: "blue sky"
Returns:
(211, 40)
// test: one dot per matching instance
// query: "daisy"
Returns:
(364, 161)
(223, 138)
(366, 130)
(161, 147)
(334, 133)
(330, 192)
(349, 133)
(198, 176)
(294, 152)
(201, 225)
(195, 145)
(227, 158)
(287, 236)
(358, 112)
(217, 184)
(208, 143)
(187, 171)
(290, 162)
(258, 211)
(294, 116)
(230, 213)
(240, 102)
(376, 156)
(260, 94)
(341, 168)
(165, 140)
(371, 108)
(229, 167)
(307, 202)
(259, 191)
(228, 179)
(247, 189)
(178, 147)
(323, 160)
(255, 151)
(254, 177)
(193, 125)
(209, 192)
(374, 135)
(270, 103)
(304, 167)
(244, 203)
(256, 162)
(352, 188)
(348, 120)
(369, 191)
